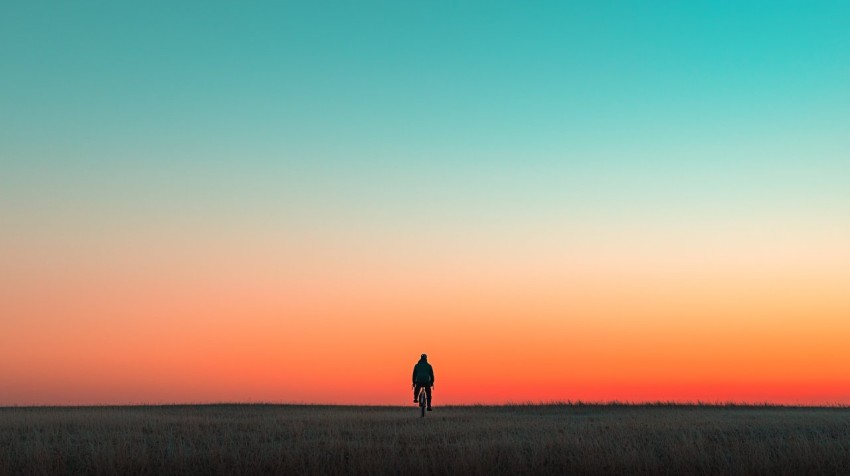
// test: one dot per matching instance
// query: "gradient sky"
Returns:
(289, 203)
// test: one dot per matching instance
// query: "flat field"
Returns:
(521, 439)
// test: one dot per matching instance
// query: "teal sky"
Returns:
(428, 83)
(390, 111)
(386, 110)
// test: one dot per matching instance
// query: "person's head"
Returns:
(423, 357)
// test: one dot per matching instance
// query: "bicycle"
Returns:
(422, 401)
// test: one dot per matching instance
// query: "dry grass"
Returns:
(550, 439)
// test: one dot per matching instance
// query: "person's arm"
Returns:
(413, 379)
(431, 367)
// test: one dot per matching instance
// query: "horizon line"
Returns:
(565, 403)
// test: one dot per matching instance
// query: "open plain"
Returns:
(517, 439)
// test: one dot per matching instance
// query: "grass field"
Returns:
(532, 439)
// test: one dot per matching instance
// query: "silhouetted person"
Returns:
(423, 376)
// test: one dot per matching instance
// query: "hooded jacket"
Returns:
(423, 373)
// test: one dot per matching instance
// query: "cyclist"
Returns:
(423, 376)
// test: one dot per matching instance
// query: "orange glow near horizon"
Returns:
(255, 330)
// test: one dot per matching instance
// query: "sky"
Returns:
(290, 201)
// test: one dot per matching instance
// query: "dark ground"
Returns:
(525, 439)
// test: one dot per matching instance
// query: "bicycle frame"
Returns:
(422, 401)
